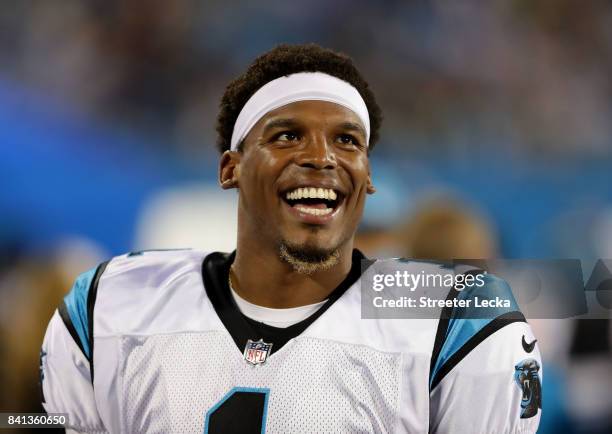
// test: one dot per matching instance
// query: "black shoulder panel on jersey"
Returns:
(77, 310)
(91, 301)
(445, 317)
(63, 313)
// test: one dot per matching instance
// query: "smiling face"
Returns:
(303, 174)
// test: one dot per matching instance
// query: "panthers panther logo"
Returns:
(527, 378)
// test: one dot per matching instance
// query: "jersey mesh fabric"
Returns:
(315, 386)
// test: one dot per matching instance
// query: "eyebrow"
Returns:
(280, 123)
(352, 126)
(293, 124)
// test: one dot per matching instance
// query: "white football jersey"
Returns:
(152, 342)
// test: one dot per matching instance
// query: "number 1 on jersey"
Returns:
(242, 410)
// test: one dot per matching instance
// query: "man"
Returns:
(269, 338)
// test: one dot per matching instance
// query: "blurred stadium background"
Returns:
(497, 136)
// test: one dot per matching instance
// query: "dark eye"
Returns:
(347, 139)
(287, 136)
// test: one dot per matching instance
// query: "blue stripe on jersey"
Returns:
(76, 304)
(467, 322)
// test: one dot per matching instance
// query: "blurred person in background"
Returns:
(445, 229)
(30, 285)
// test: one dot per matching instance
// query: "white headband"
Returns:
(302, 86)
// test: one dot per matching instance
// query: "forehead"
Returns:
(317, 113)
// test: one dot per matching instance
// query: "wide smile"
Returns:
(312, 204)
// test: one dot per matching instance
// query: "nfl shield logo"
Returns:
(256, 352)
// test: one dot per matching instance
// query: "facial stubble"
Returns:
(306, 259)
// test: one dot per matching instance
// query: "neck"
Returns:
(260, 276)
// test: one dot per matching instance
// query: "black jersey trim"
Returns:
(65, 316)
(445, 317)
(493, 326)
(448, 314)
(91, 302)
(215, 272)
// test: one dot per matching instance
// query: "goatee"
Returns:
(306, 260)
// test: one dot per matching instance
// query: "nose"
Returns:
(317, 154)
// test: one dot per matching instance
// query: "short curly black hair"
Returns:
(284, 60)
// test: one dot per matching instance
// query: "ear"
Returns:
(229, 172)
(370, 189)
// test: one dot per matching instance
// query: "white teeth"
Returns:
(312, 193)
(314, 211)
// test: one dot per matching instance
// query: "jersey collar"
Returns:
(215, 273)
